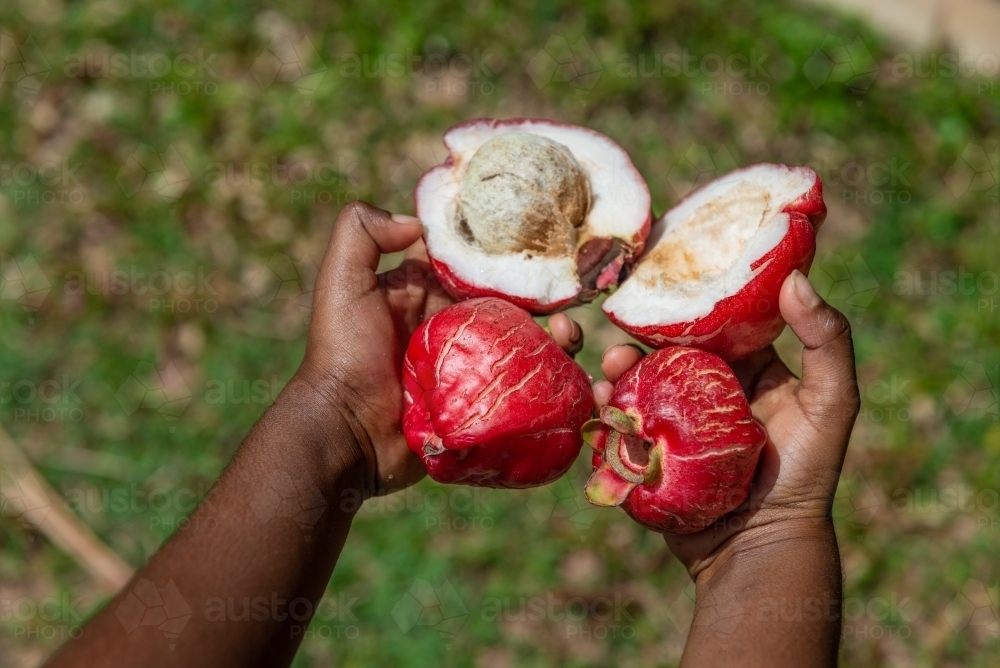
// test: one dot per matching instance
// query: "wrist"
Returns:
(772, 593)
(335, 442)
(769, 541)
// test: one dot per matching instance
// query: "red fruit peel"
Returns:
(490, 399)
(676, 445)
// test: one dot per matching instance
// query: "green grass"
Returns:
(917, 511)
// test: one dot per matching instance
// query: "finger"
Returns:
(829, 387)
(619, 359)
(602, 393)
(360, 236)
(417, 251)
(750, 369)
(566, 332)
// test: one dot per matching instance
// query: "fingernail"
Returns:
(403, 218)
(575, 335)
(804, 290)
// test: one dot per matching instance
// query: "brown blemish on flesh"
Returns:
(706, 244)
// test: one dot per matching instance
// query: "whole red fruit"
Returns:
(676, 445)
(490, 399)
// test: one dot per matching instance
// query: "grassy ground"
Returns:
(159, 369)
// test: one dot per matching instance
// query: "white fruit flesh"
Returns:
(619, 207)
(702, 250)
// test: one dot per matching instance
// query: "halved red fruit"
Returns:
(715, 262)
(542, 214)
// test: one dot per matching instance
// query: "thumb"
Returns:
(829, 389)
(360, 236)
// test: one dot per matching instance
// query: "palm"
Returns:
(362, 322)
(362, 335)
(784, 469)
(808, 424)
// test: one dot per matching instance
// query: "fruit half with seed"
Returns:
(490, 399)
(715, 262)
(676, 445)
(542, 214)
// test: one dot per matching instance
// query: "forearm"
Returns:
(772, 598)
(260, 546)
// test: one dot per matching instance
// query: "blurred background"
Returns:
(169, 172)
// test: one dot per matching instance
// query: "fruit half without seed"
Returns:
(714, 264)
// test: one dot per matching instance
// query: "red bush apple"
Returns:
(676, 445)
(490, 399)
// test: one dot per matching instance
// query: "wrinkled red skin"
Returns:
(691, 404)
(490, 399)
(749, 320)
(462, 289)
